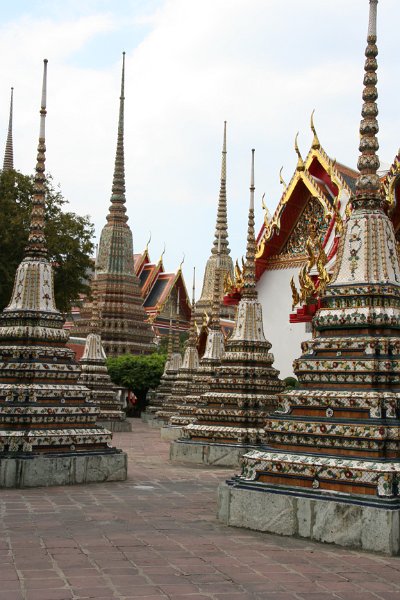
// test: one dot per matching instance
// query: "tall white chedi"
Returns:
(48, 430)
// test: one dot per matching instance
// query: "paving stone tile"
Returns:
(115, 541)
(10, 585)
(9, 595)
(8, 574)
(42, 584)
(53, 594)
(143, 591)
(86, 582)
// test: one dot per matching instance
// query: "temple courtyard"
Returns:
(156, 536)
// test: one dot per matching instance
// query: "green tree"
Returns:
(137, 373)
(69, 239)
(291, 383)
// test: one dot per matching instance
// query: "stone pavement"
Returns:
(155, 536)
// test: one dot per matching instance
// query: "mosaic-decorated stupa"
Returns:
(48, 430)
(211, 359)
(332, 454)
(212, 272)
(95, 376)
(164, 389)
(188, 369)
(123, 327)
(244, 390)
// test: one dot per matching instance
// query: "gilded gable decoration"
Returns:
(313, 214)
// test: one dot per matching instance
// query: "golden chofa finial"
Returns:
(182, 261)
(315, 143)
(300, 162)
(281, 180)
(148, 243)
(161, 257)
(267, 214)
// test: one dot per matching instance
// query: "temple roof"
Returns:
(157, 286)
(391, 186)
(318, 180)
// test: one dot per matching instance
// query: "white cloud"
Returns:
(261, 65)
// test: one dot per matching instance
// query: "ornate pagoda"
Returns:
(48, 430)
(229, 418)
(316, 197)
(211, 359)
(123, 326)
(206, 300)
(8, 163)
(331, 462)
(164, 389)
(183, 380)
(95, 376)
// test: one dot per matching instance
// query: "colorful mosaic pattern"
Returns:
(95, 377)
(123, 324)
(340, 431)
(244, 390)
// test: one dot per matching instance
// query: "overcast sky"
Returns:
(262, 65)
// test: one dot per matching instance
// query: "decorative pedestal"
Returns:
(151, 420)
(356, 522)
(201, 453)
(116, 426)
(169, 433)
(62, 469)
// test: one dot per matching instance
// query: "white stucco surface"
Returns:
(276, 299)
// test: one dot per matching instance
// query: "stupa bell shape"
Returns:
(48, 430)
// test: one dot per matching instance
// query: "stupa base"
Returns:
(151, 420)
(201, 453)
(368, 524)
(62, 469)
(170, 433)
(116, 426)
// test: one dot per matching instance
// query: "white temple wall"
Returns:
(275, 297)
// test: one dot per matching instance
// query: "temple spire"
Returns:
(192, 329)
(170, 346)
(36, 246)
(216, 303)
(8, 163)
(368, 183)
(221, 227)
(117, 211)
(177, 336)
(249, 287)
(95, 317)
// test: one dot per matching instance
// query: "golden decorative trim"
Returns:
(315, 190)
(285, 261)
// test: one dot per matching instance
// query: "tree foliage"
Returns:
(138, 373)
(68, 235)
(291, 383)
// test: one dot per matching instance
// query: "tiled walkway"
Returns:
(155, 536)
